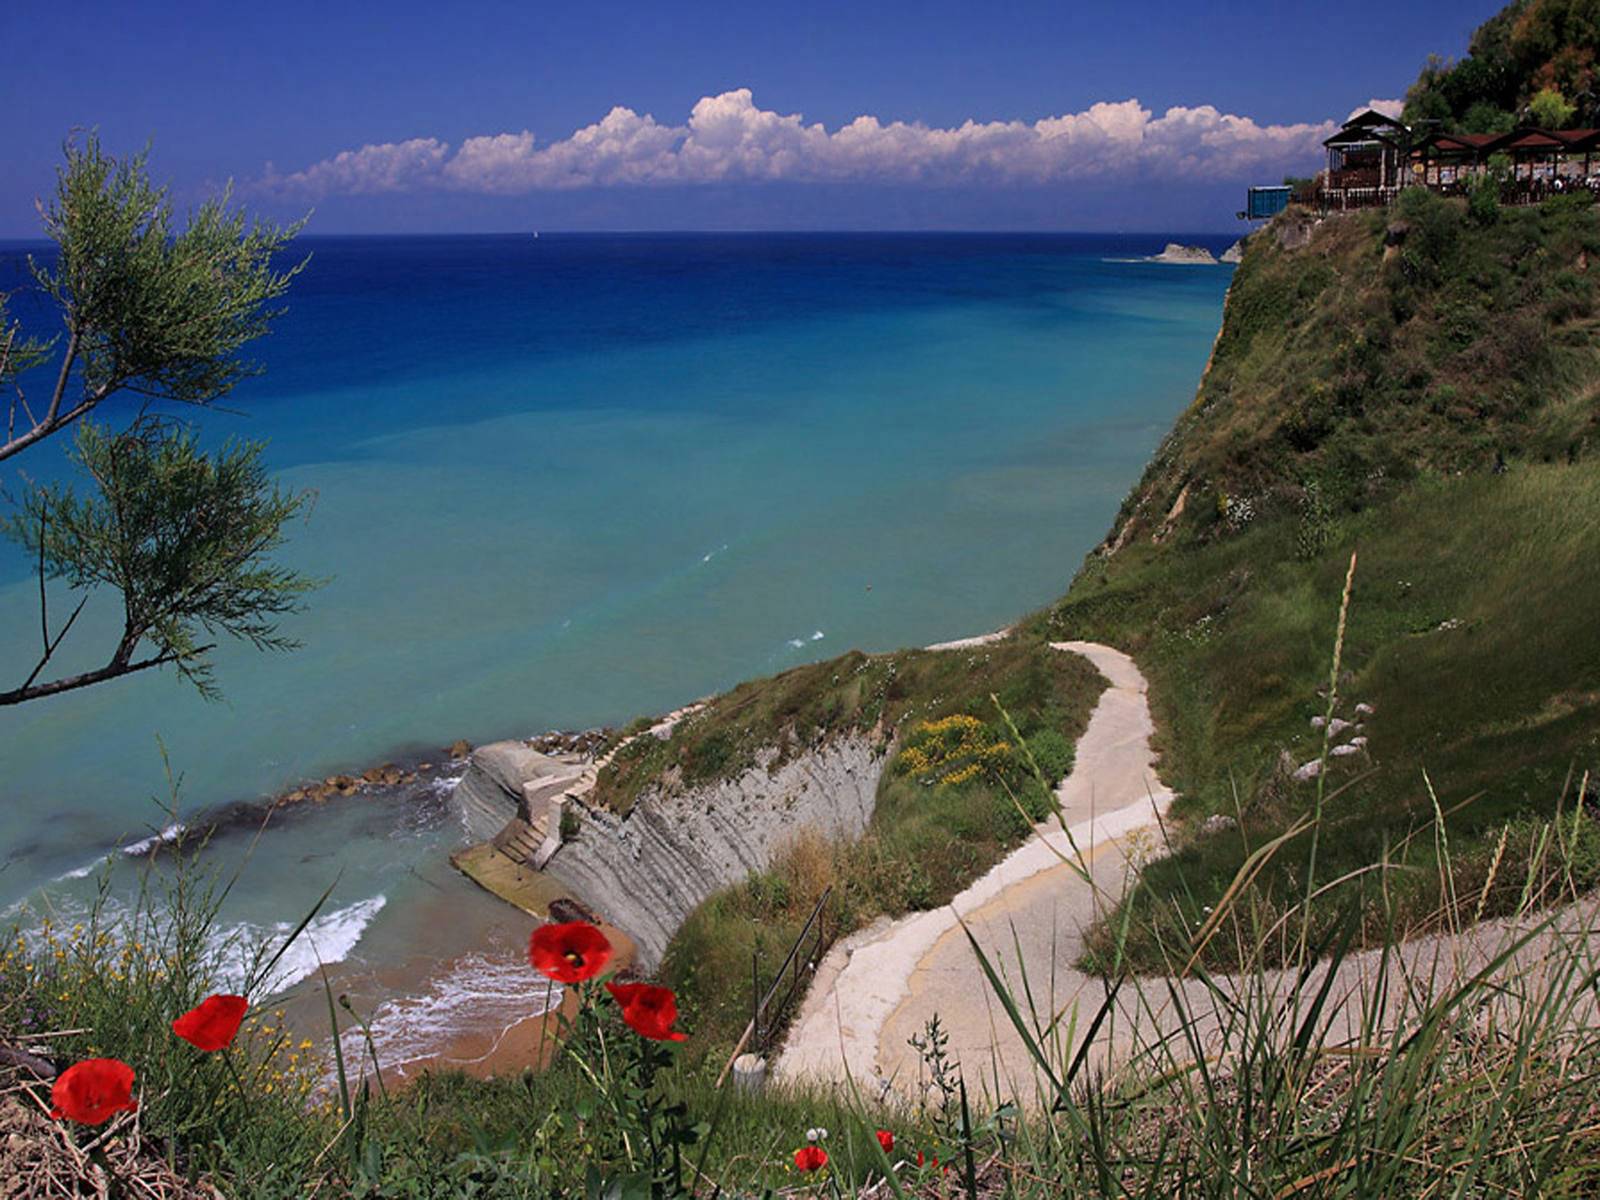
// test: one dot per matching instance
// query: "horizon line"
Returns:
(40, 239)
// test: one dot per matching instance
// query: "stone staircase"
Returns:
(519, 841)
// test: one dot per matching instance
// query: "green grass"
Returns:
(927, 840)
(1438, 1085)
(1431, 407)
(805, 707)
(1350, 369)
(1471, 633)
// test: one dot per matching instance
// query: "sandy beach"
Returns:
(481, 1011)
(497, 1050)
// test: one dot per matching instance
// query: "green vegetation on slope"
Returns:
(1490, 1089)
(855, 693)
(1432, 412)
(1395, 344)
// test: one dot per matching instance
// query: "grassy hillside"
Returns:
(953, 798)
(1427, 402)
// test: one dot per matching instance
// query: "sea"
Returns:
(561, 482)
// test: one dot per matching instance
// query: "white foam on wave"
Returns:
(329, 938)
(796, 643)
(89, 868)
(719, 550)
(477, 994)
(444, 785)
(144, 845)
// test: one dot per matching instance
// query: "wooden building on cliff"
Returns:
(1373, 157)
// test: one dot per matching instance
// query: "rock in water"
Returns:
(1174, 253)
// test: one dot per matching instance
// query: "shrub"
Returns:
(1053, 753)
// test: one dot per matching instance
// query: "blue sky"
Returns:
(1141, 115)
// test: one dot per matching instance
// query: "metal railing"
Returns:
(769, 1007)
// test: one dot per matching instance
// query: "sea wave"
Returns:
(475, 994)
(444, 785)
(144, 845)
(83, 872)
(329, 938)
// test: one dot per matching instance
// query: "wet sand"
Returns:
(413, 1034)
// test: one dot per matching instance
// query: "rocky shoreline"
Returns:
(421, 775)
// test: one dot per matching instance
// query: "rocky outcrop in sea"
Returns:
(1176, 253)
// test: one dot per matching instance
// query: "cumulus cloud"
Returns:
(728, 138)
(388, 167)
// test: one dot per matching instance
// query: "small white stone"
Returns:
(750, 1073)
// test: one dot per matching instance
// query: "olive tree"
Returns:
(154, 318)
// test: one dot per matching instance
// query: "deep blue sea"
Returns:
(568, 480)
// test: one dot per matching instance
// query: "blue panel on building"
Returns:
(1264, 202)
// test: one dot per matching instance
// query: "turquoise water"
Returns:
(569, 481)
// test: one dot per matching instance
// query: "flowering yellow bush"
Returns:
(952, 751)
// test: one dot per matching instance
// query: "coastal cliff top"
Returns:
(1409, 395)
(765, 722)
(1365, 350)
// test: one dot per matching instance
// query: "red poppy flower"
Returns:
(886, 1140)
(214, 1024)
(93, 1091)
(649, 1011)
(935, 1162)
(810, 1158)
(569, 953)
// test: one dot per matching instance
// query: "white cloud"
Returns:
(728, 138)
(389, 167)
(1389, 108)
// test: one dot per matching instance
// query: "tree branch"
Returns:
(51, 647)
(48, 426)
(109, 671)
(66, 372)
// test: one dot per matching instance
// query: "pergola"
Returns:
(1372, 157)
(1367, 152)
(1545, 154)
(1442, 160)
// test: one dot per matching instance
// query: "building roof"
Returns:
(1368, 125)
(1369, 117)
(1358, 135)
(1526, 138)
(1462, 143)
(1531, 139)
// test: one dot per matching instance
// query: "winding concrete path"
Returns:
(878, 987)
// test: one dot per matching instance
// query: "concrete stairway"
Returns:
(519, 841)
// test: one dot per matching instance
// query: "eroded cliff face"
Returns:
(490, 792)
(647, 871)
